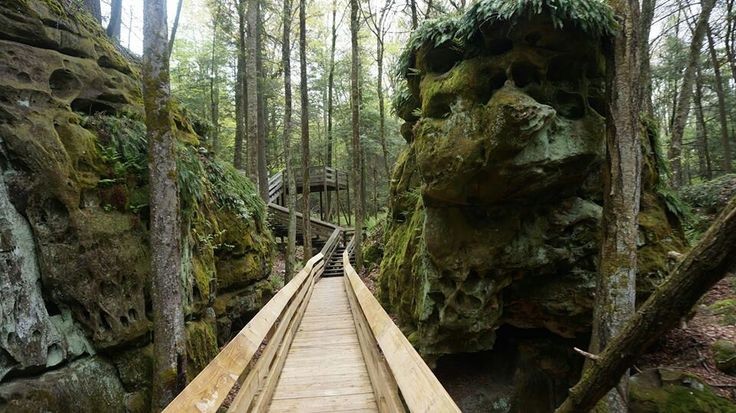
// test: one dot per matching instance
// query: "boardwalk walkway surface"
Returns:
(325, 370)
(321, 344)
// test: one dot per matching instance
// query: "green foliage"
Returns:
(122, 142)
(234, 191)
(711, 196)
(594, 17)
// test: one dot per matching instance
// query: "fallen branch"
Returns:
(585, 354)
(708, 262)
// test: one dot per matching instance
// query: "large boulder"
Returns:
(496, 201)
(74, 253)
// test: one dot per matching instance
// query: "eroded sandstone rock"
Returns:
(74, 263)
(496, 201)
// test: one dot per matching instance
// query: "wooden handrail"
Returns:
(401, 380)
(277, 321)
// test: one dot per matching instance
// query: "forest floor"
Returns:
(688, 348)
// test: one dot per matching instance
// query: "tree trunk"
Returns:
(647, 17)
(683, 104)
(304, 89)
(240, 100)
(722, 111)
(730, 38)
(168, 313)
(701, 131)
(357, 151)
(215, 86)
(261, 111)
(414, 19)
(706, 264)
(116, 15)
(290, 183)
(330, 109)
(174, 28)
(616, 286)
(93, 7)
(251, 81)
(381, 105)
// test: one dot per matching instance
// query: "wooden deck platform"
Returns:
(325, 370)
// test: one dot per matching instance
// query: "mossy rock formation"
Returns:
(496, 201)
(74, 260)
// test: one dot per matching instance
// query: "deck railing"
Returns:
(401, 380)
(270, 331)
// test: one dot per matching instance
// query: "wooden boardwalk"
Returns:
(321, 344)
(324, 369)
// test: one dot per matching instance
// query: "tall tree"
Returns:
(647, 17)
(722, 110)
(701, 130)
(413, 10)
(379, 25)
(356, 146)
(616, 286)
(251, 81)
(683, 102)
(261, 110)
(168, 314)
(93, 7)
(116, 15)
(304, 89)
(239, 160)
(175, 26)
(330, 108)
(214, 83)
(289, 159)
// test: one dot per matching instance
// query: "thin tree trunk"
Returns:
(260, 101)
(730, 37)
(381, 104)
(306, 210)
(251, 80)
(330, 109)
(707, 263)
(93, 7)
(214, 87)
(722, 111)
(175, 27)
(647, 17)
(357, 151)
(168, 313)
(414, 19)
(683, 104)
(240, 97)
(116, 15)
(290, 179)
(701, 131)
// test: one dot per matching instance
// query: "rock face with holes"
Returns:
(496, 201)
(75, 309)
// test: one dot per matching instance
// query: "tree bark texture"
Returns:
(304, 89)
(168, 313)
(262, 162)
(701, 131)
(356, 146)
(616, 286)
(239, 159)
(290, 263)
(251, 81)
